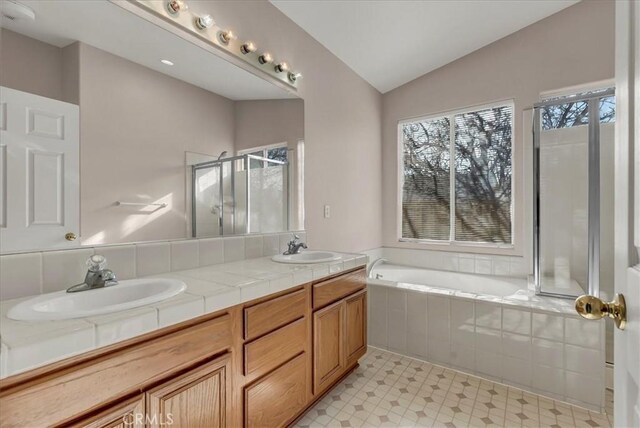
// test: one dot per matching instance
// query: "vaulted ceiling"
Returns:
(391, 42)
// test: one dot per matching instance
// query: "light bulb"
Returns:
(204, 22)
(293, 77)
(247, 47)
(175, 6)
(283, 66)
(226, 36)
(265, 58)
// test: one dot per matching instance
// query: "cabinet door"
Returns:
(199, 398)
(128, 414)
(356, 326)
(328, 345)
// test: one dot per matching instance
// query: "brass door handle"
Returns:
(593, 308)
(70, 236)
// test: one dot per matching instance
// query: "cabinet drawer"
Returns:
(275, 399)
(268, 316)
(334, 289)
(275, 348)
(62, 395)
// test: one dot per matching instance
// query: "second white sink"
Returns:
(307, 257)
(126, 294)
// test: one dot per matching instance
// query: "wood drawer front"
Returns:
(268, 316)
(268, 352)
(334, 289)
(275, 399)
(74, 391)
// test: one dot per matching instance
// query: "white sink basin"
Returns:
(124, 295)
(307, 257)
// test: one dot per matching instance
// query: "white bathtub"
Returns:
(490, 326)
(499, 286)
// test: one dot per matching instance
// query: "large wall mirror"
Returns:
(115, 130)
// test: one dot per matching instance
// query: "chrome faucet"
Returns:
(294, 246)
(97, 276)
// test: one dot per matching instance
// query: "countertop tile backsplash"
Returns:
(32, 273)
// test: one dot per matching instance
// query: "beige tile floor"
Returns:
(389, 390)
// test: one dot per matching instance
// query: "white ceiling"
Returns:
(109, 27)
(391, 42)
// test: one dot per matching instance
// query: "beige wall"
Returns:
(342, 137)
(29, 65)
(342, 126)
(264, 122)
(572, 47)
(135, 126)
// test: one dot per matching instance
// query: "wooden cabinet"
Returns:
(328, 345)
(339, 330)
(277, 398)
(356, 326)
(128, 414)
(199, 398)
(257, 364)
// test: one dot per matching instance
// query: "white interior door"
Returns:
(627, 207)
(39, 172)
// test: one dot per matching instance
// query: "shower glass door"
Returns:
(573, 187)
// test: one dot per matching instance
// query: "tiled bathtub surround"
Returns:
(484, 264)
(538, 344)
(28, 274)
(211, 288)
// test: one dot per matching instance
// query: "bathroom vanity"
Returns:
(259, 363)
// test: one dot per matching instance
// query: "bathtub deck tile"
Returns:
(460, 400)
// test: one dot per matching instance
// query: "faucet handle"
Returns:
(96, 263)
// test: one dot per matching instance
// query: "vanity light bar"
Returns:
(204, 26)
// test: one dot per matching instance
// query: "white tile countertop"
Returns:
(27, 345)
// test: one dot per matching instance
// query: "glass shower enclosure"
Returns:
(573, 139)
(239, 195)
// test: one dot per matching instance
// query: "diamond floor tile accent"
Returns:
(382, 393)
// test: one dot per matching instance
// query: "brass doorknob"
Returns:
(593, 308)
(70, 236)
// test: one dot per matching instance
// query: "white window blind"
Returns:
(469, 200)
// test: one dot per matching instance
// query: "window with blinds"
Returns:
(471, 200)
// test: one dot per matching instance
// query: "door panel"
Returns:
(129, 414)
(39, 172)
(627, 212)
(356, 327)
(328, 341)
(199, 398)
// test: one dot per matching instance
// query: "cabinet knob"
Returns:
(70, 236)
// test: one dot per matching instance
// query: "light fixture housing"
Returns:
(265, 58)
(203, 22)
(176, 6)
(293, 77)
(13, 10)
(166, 62)
(282, 66)
(226, 36)
(247, 47)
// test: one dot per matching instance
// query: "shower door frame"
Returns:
(219, 163)
(593, 222)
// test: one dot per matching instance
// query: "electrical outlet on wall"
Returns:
(327, 211)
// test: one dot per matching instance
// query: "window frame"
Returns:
(452, 244)
(264, 149)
